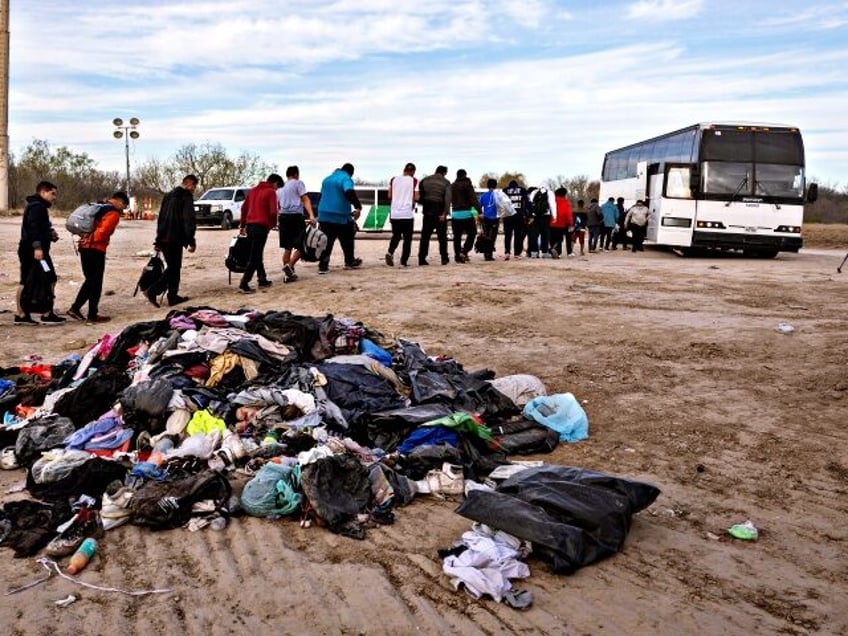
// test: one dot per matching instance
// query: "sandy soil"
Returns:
(687, 383)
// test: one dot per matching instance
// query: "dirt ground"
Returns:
(688, 384)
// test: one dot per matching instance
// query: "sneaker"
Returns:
(459, 258)
(52, 319)
(390, 260)
(571, 255)
(517, 256)
(246, 289)
(554, 253)
(151, 298)
(354, 264)
(98, 320)
(76, 314)
(288, 272)
(506, 257)
(322, 272)
(288, 279)
(423, 263)
(176, 300)
(445, 261)
(265, 283)
(25, 320)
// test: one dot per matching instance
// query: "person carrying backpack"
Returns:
(541, 211)
(37, 233)
(92, 252)
(175, 229)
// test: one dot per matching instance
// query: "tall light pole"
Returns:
(127, 131)
(4, 105)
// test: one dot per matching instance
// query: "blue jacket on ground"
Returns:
(334, 206)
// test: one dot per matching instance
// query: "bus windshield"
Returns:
(765, 180)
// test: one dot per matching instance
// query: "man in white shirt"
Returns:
(403, 193)
(295, 207)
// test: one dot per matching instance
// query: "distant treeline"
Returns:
(831, 206)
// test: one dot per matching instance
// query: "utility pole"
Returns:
(4, 105)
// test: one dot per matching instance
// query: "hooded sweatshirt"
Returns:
(36, 227)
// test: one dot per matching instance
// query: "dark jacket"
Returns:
(36, 229)
(176, 224)
(463, 196)
(518, 196)
(594, 216)
(435, 189)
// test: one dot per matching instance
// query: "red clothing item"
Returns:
(564, 216)
(260, 206)
(103, 230)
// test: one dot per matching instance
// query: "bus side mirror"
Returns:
(812, 192)
(695, 180)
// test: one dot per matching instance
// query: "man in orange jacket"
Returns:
(92, 251)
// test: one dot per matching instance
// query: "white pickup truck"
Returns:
(220, 206)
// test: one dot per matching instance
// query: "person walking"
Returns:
(464, 202)
(620, 237)
(434, 192)
(594, 221)
(37, 234)
(563, 225)
(403, 194)
(258, 215)
(295, 213)
(489, 219)
(541, 211)
(335, 218)
(515, 226)
(609, 216)
(580, 220)
(175, 231)
(92, 252)
(636, 221)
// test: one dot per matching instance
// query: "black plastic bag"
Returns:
(572, 516)
(338, 488)
(37, 294)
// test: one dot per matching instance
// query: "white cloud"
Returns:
(665, 9)
(380, 83)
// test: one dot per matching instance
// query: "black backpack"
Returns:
(237, 256)
(151, 273)
(541, 207)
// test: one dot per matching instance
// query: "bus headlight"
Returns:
(714, 225)
(790, 229)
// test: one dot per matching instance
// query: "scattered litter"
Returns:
(713, 537)
(714, 267)
(786, 328)
(145, 254)
(799, 307)
(744, 531)
(53, 567)
(69, 599)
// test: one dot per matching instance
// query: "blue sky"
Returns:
(536, 86)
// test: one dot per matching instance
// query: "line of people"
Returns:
(537, 215)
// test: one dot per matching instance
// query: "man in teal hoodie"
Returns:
(609, 212)
(335, 218)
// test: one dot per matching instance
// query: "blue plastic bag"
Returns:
(373, 351)
(561, 413)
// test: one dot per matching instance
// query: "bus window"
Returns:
(678, 182)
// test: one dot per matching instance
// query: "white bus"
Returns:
(717, 185)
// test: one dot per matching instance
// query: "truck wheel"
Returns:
(227, 220)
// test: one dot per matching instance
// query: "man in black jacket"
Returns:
(434, 192)
(174, 231)
(464, 202)
(37, 233)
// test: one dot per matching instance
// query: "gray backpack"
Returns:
(84, 218)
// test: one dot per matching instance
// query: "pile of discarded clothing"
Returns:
(205, 415)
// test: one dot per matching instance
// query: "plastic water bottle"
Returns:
(82, 556)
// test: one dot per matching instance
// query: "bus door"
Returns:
(653, 185)
(673, 208)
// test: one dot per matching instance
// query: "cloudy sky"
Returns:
(537, 86)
